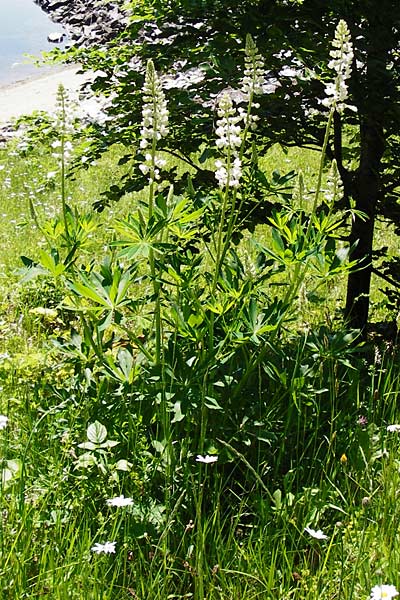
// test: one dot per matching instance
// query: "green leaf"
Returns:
(85, 461)
(90, 293)
(11, 471)
(212, 404)
(51, 264)
(96, 433)
(195, 320)
(87, 446)
(109, 444)
(123, 465)
(178, 415)
(277, 496)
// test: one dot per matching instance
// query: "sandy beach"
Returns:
(37, 93)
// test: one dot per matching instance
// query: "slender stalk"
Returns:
(63, 115)
(298, 276)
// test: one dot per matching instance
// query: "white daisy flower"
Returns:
(387, 592)
(206, 459)
(120, 501)
(316, 534)
(393, 428)
(106, 548)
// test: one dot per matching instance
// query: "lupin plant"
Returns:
(336, 91)
(232, 139)
(146, 236)
(341, 61)
(154, 128)
(62, 148)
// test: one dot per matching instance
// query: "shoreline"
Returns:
(40, 73)
(86, 24)
(38, 93)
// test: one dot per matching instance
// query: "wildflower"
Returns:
(318, 535)
(3, 421)
(229, 169)
(341, 60)
(334, 185)
(106, 548)
(343, 459)
(227, 130)
(120, 501)
(362, 421)
(206, 459)
(383, 591)
(393, 428)
(154, 122)
(254, 71)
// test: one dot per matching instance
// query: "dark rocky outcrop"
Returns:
(87, 22)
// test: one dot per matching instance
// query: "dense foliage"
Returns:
(198, 46)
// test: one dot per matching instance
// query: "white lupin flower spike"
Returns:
(228, 131)
(154, 122)
(254, 70)
(341, 61)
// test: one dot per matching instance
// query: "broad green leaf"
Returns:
(178, 415)
(86, 460)
(96, 433)
(123, 465)
(109, 444)
(277, 496)
(195, 320)
(87, 446)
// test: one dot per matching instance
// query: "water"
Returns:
(24, 28)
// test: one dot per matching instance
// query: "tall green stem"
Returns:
(298, 276)
(63, 190)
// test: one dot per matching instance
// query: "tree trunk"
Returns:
(366, 194)
(371, 95)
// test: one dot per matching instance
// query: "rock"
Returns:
(56, 37)
(88, 22)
